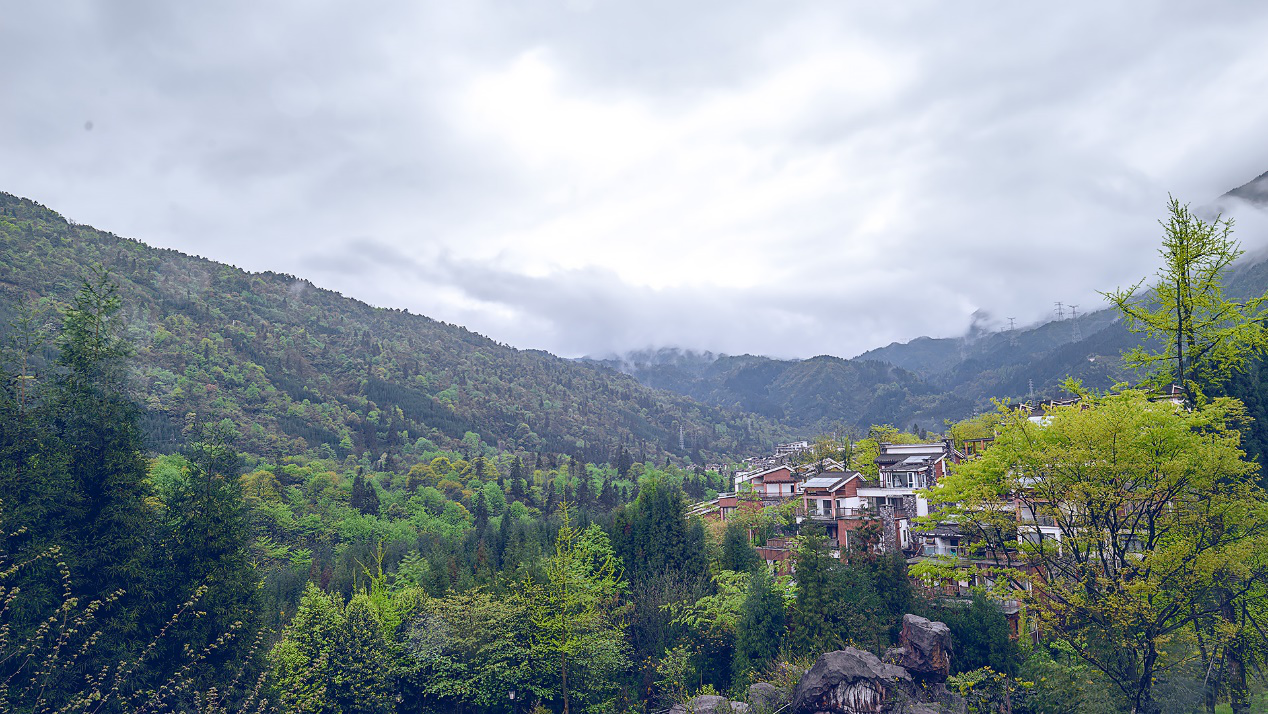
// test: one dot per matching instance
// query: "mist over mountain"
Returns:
(927, 380)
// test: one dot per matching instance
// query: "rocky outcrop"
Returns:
(766, 697)
(710, 704)
(851, 681)
(908, 681)
(924, 650)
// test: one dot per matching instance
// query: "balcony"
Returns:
(817, 514)
(932, 550)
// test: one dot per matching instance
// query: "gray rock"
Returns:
(704, 704)
(851, 681)
(766, 697)
(924, 649)
(739, 708)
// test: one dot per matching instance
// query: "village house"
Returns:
(832, 499)
(894, 496)
(775, 484)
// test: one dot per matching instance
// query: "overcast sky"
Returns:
(780, 178)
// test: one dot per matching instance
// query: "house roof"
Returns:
(831, 480)
(740, 478)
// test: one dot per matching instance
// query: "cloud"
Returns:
(598, 176)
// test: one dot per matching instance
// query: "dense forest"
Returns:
(297, 368)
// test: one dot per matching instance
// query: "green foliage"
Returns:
(578, 630)
(1152, 503)
(858, 603)
(738, 554)
(760, 631)
(1204, 337)
(980, 636)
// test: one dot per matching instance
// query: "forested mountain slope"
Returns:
(295, 367)
(815, 395)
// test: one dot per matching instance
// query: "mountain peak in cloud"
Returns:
(1254, 191)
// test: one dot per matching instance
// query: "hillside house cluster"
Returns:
(841, 499)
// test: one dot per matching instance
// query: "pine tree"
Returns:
(357, 498)
(106, 519)
(738, 553)
(361, 656)
(808, 630)
(205, 542)
(759, 633)
(607, 495)
(480, 509)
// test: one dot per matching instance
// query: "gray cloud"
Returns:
(601, 176)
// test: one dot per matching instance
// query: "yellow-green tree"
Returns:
(578, 628)
(1205, 337)
(1139, 499)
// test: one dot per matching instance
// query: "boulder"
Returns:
(739, 708)
(704, 704)
(924, 650)
(766, 697)
(851, 681)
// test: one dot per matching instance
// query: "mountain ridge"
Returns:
(298, 367)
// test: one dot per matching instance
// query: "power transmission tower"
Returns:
(1060, 311)
(1012, 332)
(1074, 317)
(1031, 382)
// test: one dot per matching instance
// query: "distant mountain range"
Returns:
(924, 381)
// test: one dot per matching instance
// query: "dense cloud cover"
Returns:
(587, 177)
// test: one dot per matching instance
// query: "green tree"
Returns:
(203, 532)
(980, 637)
(1204, 336)
(576, 616)
(738, 553)
(468, 649)
(1138, 494)
(362, 681)
(303, 670)
(760, 631)
(104, 524)
(334, 658)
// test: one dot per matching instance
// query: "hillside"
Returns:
(296, 367)
(809, 396)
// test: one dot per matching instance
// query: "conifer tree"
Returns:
(738, 553)
(106, 519)
(480, 509)
(760, 631)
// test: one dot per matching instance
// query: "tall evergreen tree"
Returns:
(205, 542)
(759, 633)
(738, 553)
(107, 529)
(480, 509)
